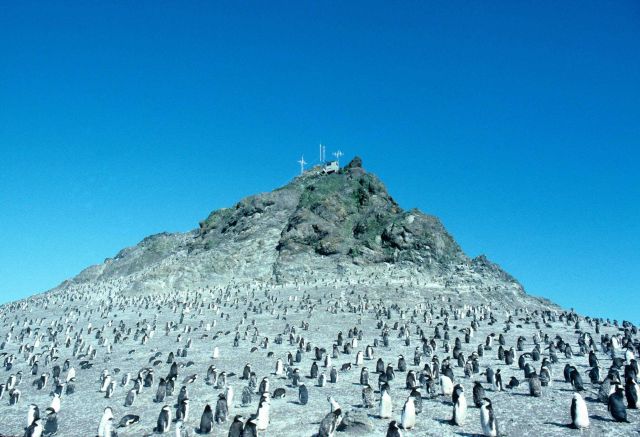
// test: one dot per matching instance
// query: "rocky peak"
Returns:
(334, 225)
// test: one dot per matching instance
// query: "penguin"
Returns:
(303, 394)
(250, 427)
(616, 406)
(162, 391)
(594, 375)
(478, 394)
(329, 424)
(264, 407)
(106, 380)
(417, 399)
(364, 376)
(488, 420)
(51, 423)
(206, 420)
(106, 422)
(181, 430)
(110, 389)
(235, 430)
(182, 410)
(632, 393)
(367, 397)
(498, 380)
(535, 388)
(14, 396)
(221, 409)
(264, 386)
(164, 420)
(35, 429)
(385, 406)
(459, 406)
(131, 397)
(70, 388)
(279, 368)
(408, 415)
(579, 413)
(33, 414)
(576, 379)
(446, 385)
(393, 430)
(127, 420)
(545, 376)
(247, 396)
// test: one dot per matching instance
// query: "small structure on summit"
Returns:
(330, 167)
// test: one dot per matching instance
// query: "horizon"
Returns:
(515, 125)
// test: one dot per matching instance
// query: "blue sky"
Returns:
(517, 123)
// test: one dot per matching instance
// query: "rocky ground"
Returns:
(210, 318)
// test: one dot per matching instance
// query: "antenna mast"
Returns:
(302, 162)
(338, 154)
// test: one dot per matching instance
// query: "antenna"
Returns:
(302, 162)
(338, 154)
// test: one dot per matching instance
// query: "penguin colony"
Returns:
(321, 358)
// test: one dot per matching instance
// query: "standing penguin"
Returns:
(393, 430)
(459, 406)
(446, 385)
(235, 430)
(632, 392)
(303, 394)
(164, 420)
(367, 396)
(14, 396)
(35, 429)
(417, 400)
(110, 389)
(162, 390)
(206, 421)
(250, 427)
(408, 416)
(33, 414)
(579, 413)
(535, 387)
(182, 410)
(228, 395)
(181, 430)
(247, 396)
(488, 420)
(616, 406)
(385, 406)
(131, 397)
(264, 408)
(330, 423)
(51, 424)
(221, 409)
(478, 394)
(106, 422)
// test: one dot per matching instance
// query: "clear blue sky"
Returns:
(517, 123)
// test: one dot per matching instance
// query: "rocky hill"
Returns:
(340, 226)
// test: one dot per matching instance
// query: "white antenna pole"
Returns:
(302, 162)
(320, 153)
(338, 154)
